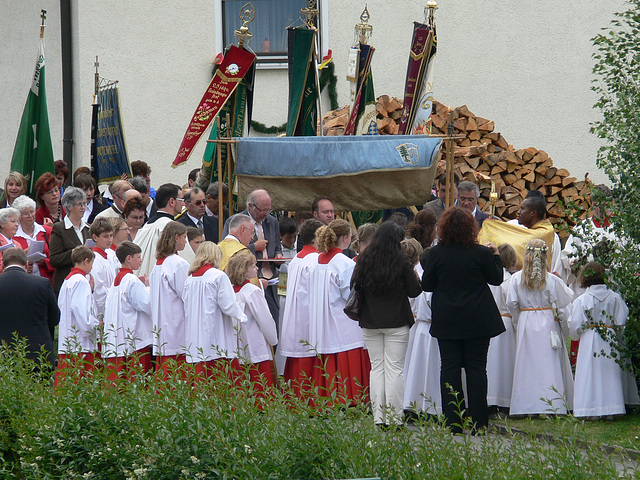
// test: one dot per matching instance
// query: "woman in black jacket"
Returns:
(386, 278)
(464, 313)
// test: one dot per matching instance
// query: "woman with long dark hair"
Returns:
(386, 278)
(464, 313)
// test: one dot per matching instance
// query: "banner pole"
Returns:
(449, 163)
(216, 125)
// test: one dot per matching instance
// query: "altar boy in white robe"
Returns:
(78, 329)
(502, 349)
(602, 388)
(422, 363)
(127, 319)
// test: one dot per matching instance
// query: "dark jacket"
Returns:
(209, 226)
(391, 309)
(462, 305)
(61, 243)
(29, 308)
(97, 208)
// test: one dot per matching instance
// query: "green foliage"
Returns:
(155, 429)
(617, 86)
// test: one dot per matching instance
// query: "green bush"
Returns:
(152, 429)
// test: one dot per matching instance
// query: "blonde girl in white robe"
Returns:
(212, 316)
(542, 380)
(166, 283)
(258, 335)
(602, 388)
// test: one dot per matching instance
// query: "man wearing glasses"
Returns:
(265, 242)
(195, 201)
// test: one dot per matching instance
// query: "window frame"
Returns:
(275, 62)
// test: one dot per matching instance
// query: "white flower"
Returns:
(195, 460)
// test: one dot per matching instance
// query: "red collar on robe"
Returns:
(75, 271)
(325, 258)
(237, 288)
(123, 271)
(100, 251)
(306, 250)
(202, 270)
(604, 223)
(161, 260)
(113, 247)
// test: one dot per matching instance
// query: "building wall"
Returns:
(527, 67)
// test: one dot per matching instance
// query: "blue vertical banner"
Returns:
(111, 149)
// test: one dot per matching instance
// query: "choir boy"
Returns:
(128, 326)
(77, 332)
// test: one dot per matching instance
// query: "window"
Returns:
(269, 27)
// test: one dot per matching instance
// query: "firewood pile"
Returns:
(484, 155)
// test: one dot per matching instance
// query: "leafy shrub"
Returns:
(215, 429)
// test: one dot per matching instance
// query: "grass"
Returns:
(622, 431)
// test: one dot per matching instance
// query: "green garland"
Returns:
(327, 78)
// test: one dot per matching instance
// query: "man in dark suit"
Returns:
(140, 184)
(265, 242)
(213, 203)
(468, 194)
(195, 202)
(29, 306)
(438, 205)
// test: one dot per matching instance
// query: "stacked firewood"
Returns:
(484, 155)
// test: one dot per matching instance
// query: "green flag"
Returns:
(303, 112)
(33, 153)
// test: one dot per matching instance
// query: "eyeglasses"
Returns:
(264, 212)
(124, 229)
(53, 191)
(199, 203)
(81, 204)
(181, 199)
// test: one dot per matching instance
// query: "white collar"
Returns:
(68, 224)
(194, 219)
(37, 228)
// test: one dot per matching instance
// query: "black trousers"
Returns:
(470, 354)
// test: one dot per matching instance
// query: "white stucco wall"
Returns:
(525, 65)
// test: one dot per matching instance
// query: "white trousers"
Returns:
(387, 350)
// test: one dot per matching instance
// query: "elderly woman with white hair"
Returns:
(68, 234)
(9, 222)
(31, 231)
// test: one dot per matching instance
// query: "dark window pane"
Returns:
(269, 27)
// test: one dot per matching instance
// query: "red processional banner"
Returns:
(418, 60)
(235, 65)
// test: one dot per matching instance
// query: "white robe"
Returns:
(584, 237)
(166, 283)
(422, 363)
(538, 367)
(127, 318)
(502, 351)
(602, 387)
(103, 277)
(330, 330)
(212, 317)
(259, 333)
(296, 314)
(147, 239)
(77, 331)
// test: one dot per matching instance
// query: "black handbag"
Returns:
(353, 307)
